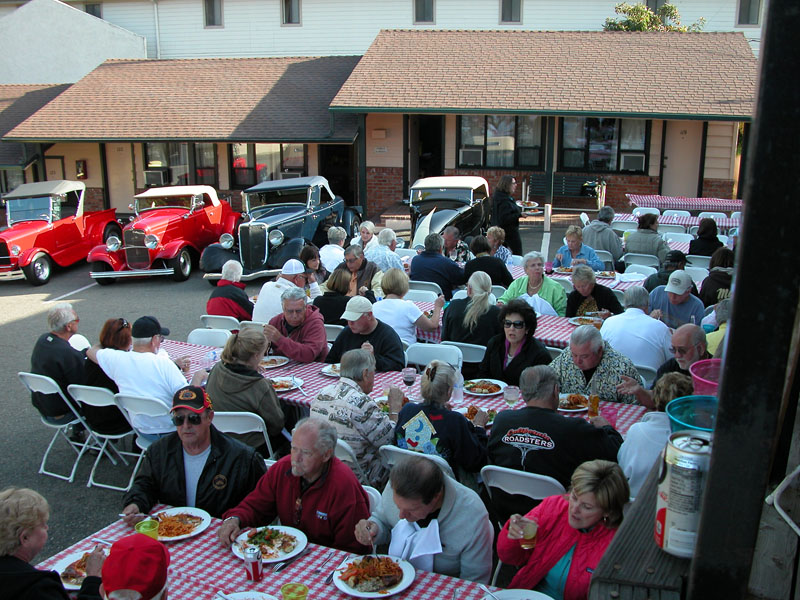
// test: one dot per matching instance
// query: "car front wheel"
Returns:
(111, 229)
(100, 267)
(181, 265)
(38, 271)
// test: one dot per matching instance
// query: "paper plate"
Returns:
(571, 410)
(331, 370)
(518, 595)
(631, 276)
(577, 321)
(197, 512)
(64, 563)
(502, 385)
(273, 362)
(408, 579)
(302, 542)
(294, 383)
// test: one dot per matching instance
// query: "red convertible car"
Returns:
(47, 224)
(171, 227)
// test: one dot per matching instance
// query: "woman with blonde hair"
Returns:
(497, 237)
(432, 428)
(474, 319)
(403, 315)
(576, 252)
(234, 384)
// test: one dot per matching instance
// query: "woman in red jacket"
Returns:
(573, 533)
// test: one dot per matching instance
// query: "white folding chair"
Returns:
(712, 215)
(585, 219)
(670, 228)
(677, 237)
(209, 337)
(554, 352)
(333, 331)
(696, 260)
(424, 285)
(220, 322)
(241, 423)
(516, 260)
(606, 257)
(565, 283)
(634, 258)
(622, 226)
(648, 374)
(645, 210)
(470, 353)
(254, 324)
(676, 213)
(421, 296)
(693, 230)
(345, 453)
(422, 354)
(102, 397)
(405, 252)
(498, 290)
(698, 274)
(737, 214)
(722, 238)
(511, 481)
(136, 406)
(46, 385)
(392, 454)
(620, 295)
(643, 269)
(374, 497)
(457, 295)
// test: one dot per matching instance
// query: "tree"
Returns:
(638, 17)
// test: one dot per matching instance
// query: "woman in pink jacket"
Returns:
(573, 533)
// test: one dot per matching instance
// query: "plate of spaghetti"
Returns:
(484, 387)
(271, 362)
(374, 576)
(276, 542)
(286, 384)
(180, 523)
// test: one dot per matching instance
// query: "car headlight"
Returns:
(15, 250)
(226, 241)
(276, 237)
(113, 244)
(151, 241)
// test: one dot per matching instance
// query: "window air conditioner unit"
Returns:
(631, 162)
(470, 156)
(155, 177)
(289, 175)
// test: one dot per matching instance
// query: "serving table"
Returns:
(682, 203)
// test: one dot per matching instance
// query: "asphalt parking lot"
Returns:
(78, 511)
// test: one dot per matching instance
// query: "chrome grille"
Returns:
(136, 254)
(5, 258)
(253, 245)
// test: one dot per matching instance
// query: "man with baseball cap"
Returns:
(145, 372)
(293, 275)
(194, 466)
(674, 304)
(675, 260)
(365, 331)
(136, 564)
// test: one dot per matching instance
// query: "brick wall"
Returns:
(93, 199)
(384, 189)
(717, 188)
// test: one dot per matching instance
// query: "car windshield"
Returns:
(28, 209)
(269, 197)
(161, 202)
(429, 194)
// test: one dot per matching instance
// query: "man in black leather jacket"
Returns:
(195, 466)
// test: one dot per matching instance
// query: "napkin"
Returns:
(539, 304)
(416, 544)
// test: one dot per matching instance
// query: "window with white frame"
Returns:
(182, 163)
(500, 141)
(291, 12)
(511, 11)
(749, 12)
(423, 11)
(604, 144)
(213, 13)
(254, 163)
(94, 9)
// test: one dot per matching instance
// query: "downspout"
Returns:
(158, 29)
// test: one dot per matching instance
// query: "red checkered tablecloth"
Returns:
(722, 223)
(681, 203)
(200, 566)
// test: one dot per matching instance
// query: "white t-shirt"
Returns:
(193, 468)
(640, 337)
(641, 448)
(400, 315)
(144, 374)
(269, 298)
(331, 256)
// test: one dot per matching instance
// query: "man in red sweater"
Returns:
(299, 331)
(311, 490)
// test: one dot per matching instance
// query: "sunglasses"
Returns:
(193, 419)
(514, 324)
(124, 324)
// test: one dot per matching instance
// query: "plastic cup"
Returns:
(594, 405)
(294, 591)
(148, 527)
(511, 394)
(528, 539)
(548, 267)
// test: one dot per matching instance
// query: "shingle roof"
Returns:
(17, 103)
(220, 99)
(696, 75)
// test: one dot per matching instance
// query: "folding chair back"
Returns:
(696, 260)
(516, 260)
(470, 353)
(621, 226)
(209, 337)
(498, 290)
(643, 269)
(648, 374)
(712, 215)
(220, 322)
(677, 213)
(333, 331)
(392, 454)
(737, 214)
(345, 453)
(669, 236)
(634, 258)
(606, 257)
(698, 274)
(554, 352)
(242, 422)
(565, 283)
(422, 354)
(645, 210)
(585, 219)
(405, 252)
(421, 296)
(374, 497)
(670, 228)
(251, 324)
(620, 295)
(424, 285)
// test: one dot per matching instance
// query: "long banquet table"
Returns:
(200, 567)
(682, 203)
(722, 222)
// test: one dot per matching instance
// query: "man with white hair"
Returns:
(599, 235)
(591, 365)
(229, 298)
(293, 275)
(54, 357)
(383, 254)
(310, 489)
(636, 334)
(332, 254)
(299, 331)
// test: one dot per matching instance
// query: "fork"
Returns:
(325, 562)
(329, 578)
(299, 387)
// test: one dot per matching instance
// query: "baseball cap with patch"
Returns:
(679, 282)
(136, 562)
(192, 398)
(293, 267)
(356, 307)
(145, 327)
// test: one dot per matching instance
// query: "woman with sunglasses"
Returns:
(511, 352)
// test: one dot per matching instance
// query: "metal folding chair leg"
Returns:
(84, 446)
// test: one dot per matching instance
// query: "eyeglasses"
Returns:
(681, 350)
(193, 419)
(124, 324)
(515, 324)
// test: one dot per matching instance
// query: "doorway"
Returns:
(682, 157)
(337, 166)
(119, 159)
(54, 167)
(425, 146)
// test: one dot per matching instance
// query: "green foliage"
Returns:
(638, 17)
